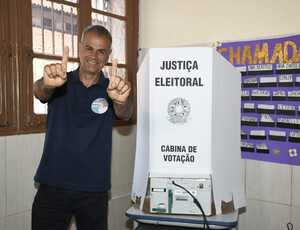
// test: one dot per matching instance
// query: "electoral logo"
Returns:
(178, 110)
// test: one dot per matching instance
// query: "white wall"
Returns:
(272, 189)
(19, 157)
(185, 22)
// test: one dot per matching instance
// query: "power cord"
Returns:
(289, 226)
(205, 224)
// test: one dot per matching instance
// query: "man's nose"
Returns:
(94, 53)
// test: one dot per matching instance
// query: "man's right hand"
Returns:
(55, 75)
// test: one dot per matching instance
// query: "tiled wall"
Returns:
(272, 189)
(19, 157)
(272, 196)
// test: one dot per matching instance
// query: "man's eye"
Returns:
(101, 52)
(89, 48)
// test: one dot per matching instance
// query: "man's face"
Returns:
(93, 53)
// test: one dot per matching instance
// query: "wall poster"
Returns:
(270, 97)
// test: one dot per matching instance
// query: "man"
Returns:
(74, 172)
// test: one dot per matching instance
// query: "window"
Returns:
(47, 22)
(34, 34)
(8, 79)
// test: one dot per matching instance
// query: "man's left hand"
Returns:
(118, 89)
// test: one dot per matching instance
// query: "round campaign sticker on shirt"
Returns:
(99, 105)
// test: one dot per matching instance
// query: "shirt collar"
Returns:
(74, 77)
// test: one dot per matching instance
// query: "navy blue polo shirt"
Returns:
(77, 148)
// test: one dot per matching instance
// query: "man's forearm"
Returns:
(42, 92)
(124, 111)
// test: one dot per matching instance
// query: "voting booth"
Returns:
(188, 131)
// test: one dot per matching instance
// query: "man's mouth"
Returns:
(92, 62)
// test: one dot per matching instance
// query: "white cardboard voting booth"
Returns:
(188, 130)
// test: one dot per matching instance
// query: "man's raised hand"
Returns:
(55, 75)
(118, 89)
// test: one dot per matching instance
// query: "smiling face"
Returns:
(94, 51)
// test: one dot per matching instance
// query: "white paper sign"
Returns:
(180, 119)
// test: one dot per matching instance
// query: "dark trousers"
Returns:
(53, 208)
